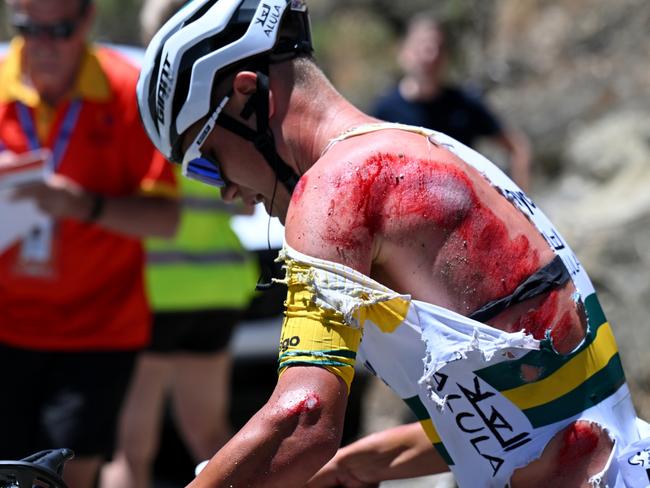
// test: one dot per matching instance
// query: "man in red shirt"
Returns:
(74, 314)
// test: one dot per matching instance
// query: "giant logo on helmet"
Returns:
(269, 18)
(164, 89)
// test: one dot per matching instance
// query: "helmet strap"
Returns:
(262, 138)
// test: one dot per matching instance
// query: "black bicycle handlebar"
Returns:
(43, 469)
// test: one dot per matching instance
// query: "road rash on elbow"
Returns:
(300, 413)
(307, 432)
(299, 402)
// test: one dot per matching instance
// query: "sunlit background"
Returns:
(574, 75)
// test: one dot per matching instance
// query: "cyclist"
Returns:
(401, 245)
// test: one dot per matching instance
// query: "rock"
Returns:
(602, 207)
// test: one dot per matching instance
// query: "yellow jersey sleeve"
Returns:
(315, 336)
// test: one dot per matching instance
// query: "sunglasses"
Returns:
(27, 28)
(197, 166)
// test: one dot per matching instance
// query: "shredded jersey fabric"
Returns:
(462, 378)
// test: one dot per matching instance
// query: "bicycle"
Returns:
(43, 469)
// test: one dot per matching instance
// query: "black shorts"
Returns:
(61, 399)
(197, 331)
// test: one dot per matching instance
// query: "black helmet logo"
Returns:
(269, 18)
(164, 89)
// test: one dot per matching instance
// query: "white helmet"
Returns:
(203, 42)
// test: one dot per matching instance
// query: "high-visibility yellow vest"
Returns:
(204, 266)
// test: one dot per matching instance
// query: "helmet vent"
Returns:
(199, 13)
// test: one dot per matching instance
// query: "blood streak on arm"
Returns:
(580, 439)
(565, 326)
(389, 187)
(494, 261)
(571, 458)
(481, 258)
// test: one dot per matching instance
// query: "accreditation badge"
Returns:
(37, 255)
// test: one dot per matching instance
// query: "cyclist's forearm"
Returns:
(400, 452)
(289, 439)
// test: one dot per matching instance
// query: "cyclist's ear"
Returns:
(244, 87)
(244, 84)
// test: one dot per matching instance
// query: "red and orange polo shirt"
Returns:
(95, 298)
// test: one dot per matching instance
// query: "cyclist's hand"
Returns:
(343, 471)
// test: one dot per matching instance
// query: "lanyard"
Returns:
(63, 137)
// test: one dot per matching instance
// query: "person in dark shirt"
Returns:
(423, 98)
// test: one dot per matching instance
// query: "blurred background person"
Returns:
(74, 310)
(423, 97)
(199, 284)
